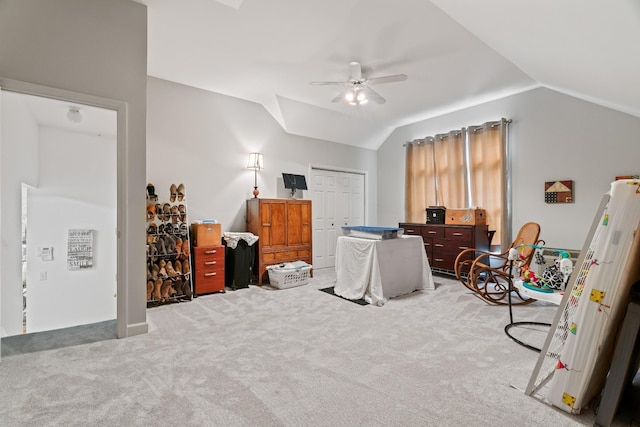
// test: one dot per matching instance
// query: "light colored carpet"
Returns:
(293, 357)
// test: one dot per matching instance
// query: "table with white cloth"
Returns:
(376, 270)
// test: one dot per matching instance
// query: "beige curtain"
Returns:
(420, 184)
(439, 172)
(487, 167)
(448, 151)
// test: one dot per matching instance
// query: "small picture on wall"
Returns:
(558, 192)
(80, 250)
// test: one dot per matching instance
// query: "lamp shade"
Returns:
(256, 161)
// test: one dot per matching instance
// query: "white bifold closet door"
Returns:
(338, 200)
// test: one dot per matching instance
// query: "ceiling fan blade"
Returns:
(338, 98)
(387, 79)
(373, 95)
(325, 83)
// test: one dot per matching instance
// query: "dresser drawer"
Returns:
(431, 231)
(208, 264)
(458, 233)
(208, 281)
(208, 253)
(444, 261)
(446, 246)
(411, 230)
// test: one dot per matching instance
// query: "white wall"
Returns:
(69, 298)
(98, 49)
(203, 140)
(77, 190)
(18, 164)
(553, 137)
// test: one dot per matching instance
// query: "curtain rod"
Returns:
(470, 128)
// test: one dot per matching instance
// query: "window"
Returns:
(460, 169)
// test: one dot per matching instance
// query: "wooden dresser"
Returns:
(208, 269)
(283, 227)
(443, 242)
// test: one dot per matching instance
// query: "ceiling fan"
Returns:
(357, 90)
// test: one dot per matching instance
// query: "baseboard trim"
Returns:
(136, 329)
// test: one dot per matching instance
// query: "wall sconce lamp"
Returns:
(256, 162)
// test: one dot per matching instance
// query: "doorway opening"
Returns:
(60, 160)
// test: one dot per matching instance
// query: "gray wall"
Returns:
(203, 140)
(553, 137)
(96, 48)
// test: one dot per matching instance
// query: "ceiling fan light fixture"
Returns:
(355, 96)
(355, 83)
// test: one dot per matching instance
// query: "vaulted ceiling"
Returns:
(456, 53)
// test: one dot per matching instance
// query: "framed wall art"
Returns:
(558, 192)
(80, 250)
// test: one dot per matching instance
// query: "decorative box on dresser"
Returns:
(443, 242)
(283, 227)
(208, 269)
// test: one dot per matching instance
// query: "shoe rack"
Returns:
(168, 247)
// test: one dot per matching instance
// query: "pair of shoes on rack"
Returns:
(185, 250)
(152, 251)
(162, 273)
(175, 215)
(150, 286)
(154, 270)
(151, 212)
(170, 244)
(157, 289)
(166, 290)
(184, 231)
(178, 247)
(152, 229)
(174, 271)
(166, 212)
(151, 193)
(176, 193)
(186, 268)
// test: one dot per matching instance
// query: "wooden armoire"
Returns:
(284, 230)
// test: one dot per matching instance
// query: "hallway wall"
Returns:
(98, 49)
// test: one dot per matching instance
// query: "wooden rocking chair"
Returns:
(487, 273)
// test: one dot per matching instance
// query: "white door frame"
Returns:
(120, 107)
(313, 167)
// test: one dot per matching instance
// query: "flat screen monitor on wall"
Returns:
(294, 182)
